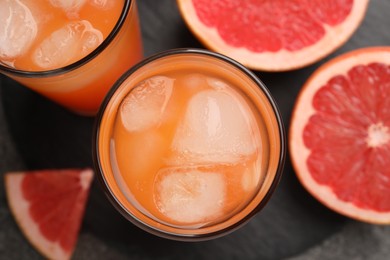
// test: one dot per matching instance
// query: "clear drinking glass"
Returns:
(189, 145)
(81, 85)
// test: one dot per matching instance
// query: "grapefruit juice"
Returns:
(69, 51)
(188, 145)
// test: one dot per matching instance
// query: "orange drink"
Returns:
(189, 144)
(71, 51)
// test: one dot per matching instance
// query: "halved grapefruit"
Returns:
(48, 206)
(273, 35)
(340, 135)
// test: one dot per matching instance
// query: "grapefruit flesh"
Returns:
(273, 35)
(340, 135)
(48, 206)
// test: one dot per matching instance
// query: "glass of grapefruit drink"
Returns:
(189, 145)
(69, 51)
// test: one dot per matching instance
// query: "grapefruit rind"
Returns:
(20, 209)
(303, 110)
(276, 61)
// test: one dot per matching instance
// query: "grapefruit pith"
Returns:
(273, 35)
(340, 135)
(48, 206)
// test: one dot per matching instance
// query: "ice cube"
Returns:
(90, 40)
(102, 4)
(189, 195)
(188, 85)
(194, 81)
(70, 7)
(18, 29)
(144, 106)
(217, 83)
(68, 44)
(216, 128)
(250, 177)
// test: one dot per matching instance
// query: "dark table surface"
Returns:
(44, 135)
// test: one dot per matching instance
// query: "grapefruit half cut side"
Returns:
(273, 35)
(48, 206)
(340, 135)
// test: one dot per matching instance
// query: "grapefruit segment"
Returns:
(340, 135)
(273, 35)
(48, 206)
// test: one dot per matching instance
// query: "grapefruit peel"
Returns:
(282, 60)
(20, 207)
(303, 110)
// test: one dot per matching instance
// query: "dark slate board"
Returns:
(36, 133)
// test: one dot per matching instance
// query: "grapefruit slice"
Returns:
(48, 206)
(340, 135)
(273, 35)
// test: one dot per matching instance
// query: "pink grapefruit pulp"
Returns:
(48, 206)
(273, 35)
(340, 135)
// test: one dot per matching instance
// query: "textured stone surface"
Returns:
(34, 133)
(356, 241)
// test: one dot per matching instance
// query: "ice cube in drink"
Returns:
(18, 29)
(144, 106)
(189, 195)
(70, 7)
(215, 128)
(66, 45)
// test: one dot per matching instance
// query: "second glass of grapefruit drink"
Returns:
(189, 145)
(69, 51)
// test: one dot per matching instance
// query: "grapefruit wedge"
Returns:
(273, 35)
(340, 135)
(48, 206)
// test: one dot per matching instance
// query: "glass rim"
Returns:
(160, 232)
(128, 4)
